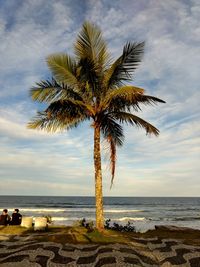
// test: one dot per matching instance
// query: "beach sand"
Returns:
(74, 246)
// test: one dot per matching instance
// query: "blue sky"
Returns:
(37, 163)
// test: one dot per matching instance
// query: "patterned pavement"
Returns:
(21, 251)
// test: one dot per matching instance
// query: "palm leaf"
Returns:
(63, 68)
(59, 115)
(75, 107)
(110, 128)
(51, 90)
(135, 120)
(42, 121)
(112, 158)
(127, 92)
(128, 101)
(91, 45)
(113, 133)
(89, 75)
(123, 68)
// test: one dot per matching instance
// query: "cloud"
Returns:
(167, 165)
(29, 34)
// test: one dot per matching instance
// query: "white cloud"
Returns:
(167, 165)
(38, 30)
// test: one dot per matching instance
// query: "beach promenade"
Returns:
(32, 250)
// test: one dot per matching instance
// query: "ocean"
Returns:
(143, 212)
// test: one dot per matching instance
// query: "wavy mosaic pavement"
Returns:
(24, 252)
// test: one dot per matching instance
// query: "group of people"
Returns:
(6, 219)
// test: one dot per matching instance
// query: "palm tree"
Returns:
(91, 86)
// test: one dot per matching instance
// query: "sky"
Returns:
(38, 163)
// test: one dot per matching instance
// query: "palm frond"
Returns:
(104, 58)
(128, 101)
(135, 120)
(112, 158)
(111, 129)
(63, 68)
(88, 74)
(46, 91)
(90, 44)
(51, 90)
(71, 107)
(59, 115)
(113, 133)
(123, 68)
(127, 92)
(43, 121)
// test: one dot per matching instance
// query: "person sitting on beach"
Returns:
(16, 217)
(4, 217)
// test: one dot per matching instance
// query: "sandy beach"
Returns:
(74, 246)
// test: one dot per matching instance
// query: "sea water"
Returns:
(143, 212)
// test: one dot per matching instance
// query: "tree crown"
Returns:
(92, 86)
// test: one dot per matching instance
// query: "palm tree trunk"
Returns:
(98, 180)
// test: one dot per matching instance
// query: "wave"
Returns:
(178, 209)
(159, 219)
(187, 218)
(57, 210)
(132, 219)
(124, 219)
(38, 210)
(73, 219)
(60, 219)
(75, 206)
(121, 211)
(173, 219)
(51, 210)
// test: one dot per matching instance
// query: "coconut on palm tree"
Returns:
(91, 86)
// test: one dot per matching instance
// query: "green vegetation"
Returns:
(93, 87)
(64, 234)
(14, 230)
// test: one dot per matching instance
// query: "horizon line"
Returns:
(94, 196)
